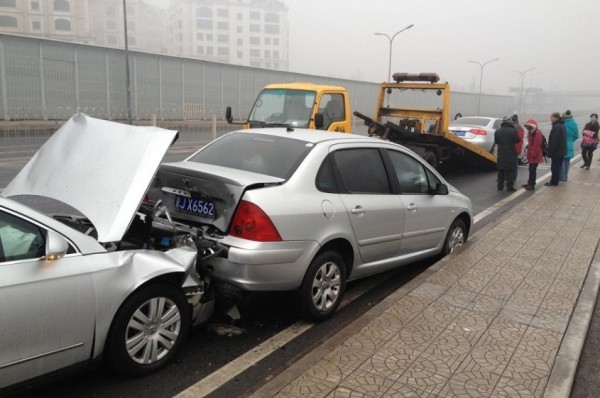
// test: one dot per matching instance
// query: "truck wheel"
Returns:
(147, 330)
(431, 158)
(456, 237)
(323, 287)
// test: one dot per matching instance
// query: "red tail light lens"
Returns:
(478, 132)
(250, 222)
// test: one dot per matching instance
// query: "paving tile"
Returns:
(517, 388)
(391, 361)
(428, 291)
(504, 332)
(458, 297)
(471, 325)
(366, 383)
(470, 384)
(364, 342)
(407, 307)
(427, 376)
(343, 392)
(307, 386)
(347, 359)
(485, 304)
(550, 321)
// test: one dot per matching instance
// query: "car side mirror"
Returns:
(319, 121)
(441, 189)
(56, 246)
(228, 116)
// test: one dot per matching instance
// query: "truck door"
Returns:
(333, 108)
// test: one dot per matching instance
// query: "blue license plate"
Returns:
(195, 207)
(459, 133)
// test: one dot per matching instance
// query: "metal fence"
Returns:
(43, 79)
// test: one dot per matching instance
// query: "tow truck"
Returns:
(424, 129)
(300, 105)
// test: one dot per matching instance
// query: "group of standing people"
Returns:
(559, 148)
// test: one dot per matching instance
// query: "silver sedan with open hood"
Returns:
(306, 211)
(106, 281)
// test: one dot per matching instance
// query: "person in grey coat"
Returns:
(505, 139)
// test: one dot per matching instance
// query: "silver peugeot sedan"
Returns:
(101, 283)
(306, 211)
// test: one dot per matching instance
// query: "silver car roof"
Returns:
(100, 168)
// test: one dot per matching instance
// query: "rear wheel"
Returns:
(323, 287)
(148, 329)
(494, 150)
(457, 236)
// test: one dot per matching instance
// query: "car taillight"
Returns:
(250, 222)
(478, 132)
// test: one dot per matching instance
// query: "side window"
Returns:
(362, 170)
(19, 239)
(332, 108)
(497, 124)
(411, 174)
(325, 181)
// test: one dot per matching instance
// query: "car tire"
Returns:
(323, 287)
(456, 237)
(140, 342)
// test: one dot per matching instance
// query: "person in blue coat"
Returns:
(572, 136)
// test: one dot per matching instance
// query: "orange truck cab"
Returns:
(301, 105)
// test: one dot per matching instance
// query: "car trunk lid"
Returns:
(204, 194)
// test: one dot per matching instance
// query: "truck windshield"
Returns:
(282, 107)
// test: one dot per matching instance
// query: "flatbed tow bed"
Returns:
(425, 131)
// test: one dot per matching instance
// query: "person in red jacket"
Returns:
(535, 155)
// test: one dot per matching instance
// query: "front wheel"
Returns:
(457, 236)
(323, 287)
(148, 330)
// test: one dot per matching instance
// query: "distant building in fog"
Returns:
(240, 32)
(55, 19)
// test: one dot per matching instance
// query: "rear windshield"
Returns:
(258, 153)
(471, 121)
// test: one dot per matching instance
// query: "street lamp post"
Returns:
(391, 40)
(522, 87)
(127, 82)
(481, 65)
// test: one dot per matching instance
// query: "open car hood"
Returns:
(100, 168)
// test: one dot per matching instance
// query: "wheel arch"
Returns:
(344, 248)
(466, 218)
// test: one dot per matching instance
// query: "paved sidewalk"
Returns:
(506, 316)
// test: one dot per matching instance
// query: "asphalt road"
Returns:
(266, 315)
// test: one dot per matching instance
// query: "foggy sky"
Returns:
(561, 39)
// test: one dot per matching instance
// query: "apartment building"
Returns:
(241, 32)
(54, 19)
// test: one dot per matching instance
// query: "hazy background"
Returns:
(561, 39)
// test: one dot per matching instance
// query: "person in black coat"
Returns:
(505, 139)
(557, 147)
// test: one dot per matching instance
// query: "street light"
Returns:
(391, 40)
(522, 87)
(481, 65)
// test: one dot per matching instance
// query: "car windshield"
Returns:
(471, 121)
(283, 106)
(258, 153)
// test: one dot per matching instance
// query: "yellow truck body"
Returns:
(425, 130)
(302, 105)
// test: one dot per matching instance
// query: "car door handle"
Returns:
(358, 210)
(411, 206)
